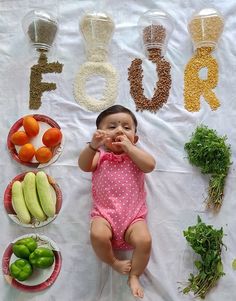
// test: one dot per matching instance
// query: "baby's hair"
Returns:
(113, 110)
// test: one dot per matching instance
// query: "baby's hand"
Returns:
(99, 138)
(123, 142)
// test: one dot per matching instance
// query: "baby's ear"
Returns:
(135, 139)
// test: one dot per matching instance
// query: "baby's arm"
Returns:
(88, 157)
(141, 158)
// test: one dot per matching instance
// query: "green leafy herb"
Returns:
(209, 152)
(207, 242)
(234, 264)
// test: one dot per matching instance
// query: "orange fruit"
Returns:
(43, 154)
(19, 138)
(26, 152)
(31, 126)
(52, 137)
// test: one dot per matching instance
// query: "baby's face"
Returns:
(118, 124)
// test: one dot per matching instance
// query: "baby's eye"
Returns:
(127, 127)
(111, 127)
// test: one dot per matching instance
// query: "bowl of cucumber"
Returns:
(33, 199)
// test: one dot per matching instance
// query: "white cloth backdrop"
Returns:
(176, 190)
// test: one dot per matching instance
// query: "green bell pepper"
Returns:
(42, 258)
(22, 248)
(21, 269)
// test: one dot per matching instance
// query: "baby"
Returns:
(119, 198)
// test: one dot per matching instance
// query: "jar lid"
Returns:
(37, 15)
(208, 12)
(155, 17)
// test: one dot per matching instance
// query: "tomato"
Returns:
(43, 154)
(31, 126)
(52, 137)
(26, 152)
(19, 138)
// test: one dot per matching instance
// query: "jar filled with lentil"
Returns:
(41, 28)
(97, 29)
(155, 28)
(206, 27)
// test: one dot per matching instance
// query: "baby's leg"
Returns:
(101, 235)
(139, 237)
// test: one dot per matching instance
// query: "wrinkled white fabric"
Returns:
(175, 190)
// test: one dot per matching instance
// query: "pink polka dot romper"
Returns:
(118, 194)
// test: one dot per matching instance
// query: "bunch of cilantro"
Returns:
(207, 242)
(212, 155)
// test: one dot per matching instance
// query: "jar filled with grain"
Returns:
(206, 27)
(41, 28)
(97, 29)
(155, 27)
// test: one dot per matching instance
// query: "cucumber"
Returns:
(31, 198)
(45, 194)
(18, 203)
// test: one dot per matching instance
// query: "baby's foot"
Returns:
(135, 286)
(122, 266)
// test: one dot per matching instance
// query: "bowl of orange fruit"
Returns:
(35, 140)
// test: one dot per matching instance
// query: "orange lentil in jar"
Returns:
(206, 31)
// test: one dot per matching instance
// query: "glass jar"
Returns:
(97, 29)
(41, 28)
(155, 27)
(206, 27)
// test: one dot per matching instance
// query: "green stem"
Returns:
(216, 191)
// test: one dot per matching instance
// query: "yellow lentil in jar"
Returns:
(206, 30)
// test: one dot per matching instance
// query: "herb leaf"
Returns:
(209, 152)
(207, 242)
(234, 264)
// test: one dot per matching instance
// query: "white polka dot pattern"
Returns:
(118, 194)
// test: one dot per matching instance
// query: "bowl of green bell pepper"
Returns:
(36, 260)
